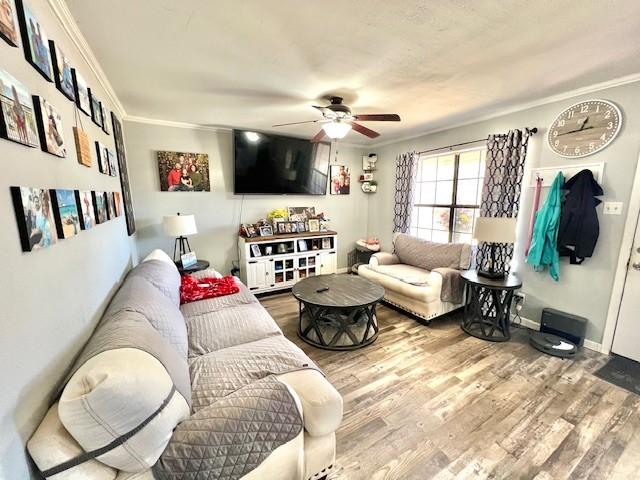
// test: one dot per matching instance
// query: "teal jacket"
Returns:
(544, 244)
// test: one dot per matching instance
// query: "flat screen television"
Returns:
(274, 164)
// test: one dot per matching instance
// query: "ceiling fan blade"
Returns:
(295, 123)
(318, 136)
(364, 130)
(378, 117)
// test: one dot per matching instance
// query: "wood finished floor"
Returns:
(432, 402)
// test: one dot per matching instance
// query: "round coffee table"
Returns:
(338, 312)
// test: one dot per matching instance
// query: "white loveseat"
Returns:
(420, 277)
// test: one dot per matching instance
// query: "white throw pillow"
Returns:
(161, 255)
(111, 394)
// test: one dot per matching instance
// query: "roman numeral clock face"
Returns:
(584, 128)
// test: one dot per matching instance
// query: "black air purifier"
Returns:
(560, 333)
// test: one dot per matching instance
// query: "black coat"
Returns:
(579, 228)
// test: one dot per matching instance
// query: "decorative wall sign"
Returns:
(34, 41)
(124, 176)
(83, 147)
(8, 22)
(17, 119)
(49, 127)
(96, 109)
(584, 128)
(34, 215)
(297, 214)
(87, 213)
(100, 207)
(183, 172)
(83, 100)
(65, 211)
(61, 71)
(340, 180)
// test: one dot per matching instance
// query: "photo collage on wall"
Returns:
(45, 216)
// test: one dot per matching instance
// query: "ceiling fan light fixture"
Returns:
(253, 137)
(336, 129)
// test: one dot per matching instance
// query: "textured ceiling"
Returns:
(254, 63)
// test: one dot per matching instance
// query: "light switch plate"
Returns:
(612, 208)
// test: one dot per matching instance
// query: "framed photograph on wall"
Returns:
(111, 209)
(34, 41)
(117, 200)
(65, 210)
(183, 172)
(96, 109)
(34, 214)
(340, 180)
(105, 118)
(17, 118)
(81, 91)
(111, 161)
(103, 158)
(9, 22)
(49, 127)
(61, 71)
(86, 210)
(100, 207)
(124, 175)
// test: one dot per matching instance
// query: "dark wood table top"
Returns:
(344, 291)
(509, 282)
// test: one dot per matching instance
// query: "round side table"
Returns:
(488, 305)
(196, 267)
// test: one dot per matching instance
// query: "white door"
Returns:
(328, 263)
(626, 340)
(258, 274)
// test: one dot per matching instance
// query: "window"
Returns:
(447, 196)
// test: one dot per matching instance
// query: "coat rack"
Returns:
(548, 174)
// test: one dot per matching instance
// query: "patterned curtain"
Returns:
(506, 154)
(406, 168)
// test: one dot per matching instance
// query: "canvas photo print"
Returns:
(183, 172)
(105, 119)
(84, 199)
(8, 22)
(81, 91)
(111, 162)
(34, 214)
(100, 207)
(66, 213)
(103, 158)
(117, 200)
(62, 71)
(49, 127)
(35, 41)
(18, 119)
(111, 210)
(96, 109)
(340, 180)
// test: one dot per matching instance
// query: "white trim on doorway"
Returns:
(623, 259)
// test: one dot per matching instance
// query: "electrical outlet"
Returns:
(612, 208)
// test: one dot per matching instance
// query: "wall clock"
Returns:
(584, 128)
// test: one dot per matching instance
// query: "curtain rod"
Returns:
(533, 130)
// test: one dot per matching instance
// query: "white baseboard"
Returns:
(533, 325)
(343, 270)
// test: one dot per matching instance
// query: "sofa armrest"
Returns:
(321, 402)
(383, 258)
(450, 282)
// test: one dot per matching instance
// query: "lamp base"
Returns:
(491, 274)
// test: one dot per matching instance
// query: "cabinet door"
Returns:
(328, 263)
(259, 274)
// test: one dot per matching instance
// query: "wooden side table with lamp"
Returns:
(180, 227)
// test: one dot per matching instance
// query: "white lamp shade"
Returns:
(495, 229)
(336, 129)
(179, 225)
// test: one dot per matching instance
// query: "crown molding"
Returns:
(596, 87)
(171, 123)
(62, 13)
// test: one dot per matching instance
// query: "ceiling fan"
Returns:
(338, 120)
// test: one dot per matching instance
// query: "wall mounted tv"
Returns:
(274, 164)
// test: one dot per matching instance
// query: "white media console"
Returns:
(279, 261)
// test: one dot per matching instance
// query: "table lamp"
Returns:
(180, 226)
(494, 230)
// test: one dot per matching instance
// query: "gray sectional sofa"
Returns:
(207, 390)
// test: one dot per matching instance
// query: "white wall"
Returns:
(583, 290)
(218, 213)
(51, 299)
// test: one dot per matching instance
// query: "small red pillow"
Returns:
(193, 289)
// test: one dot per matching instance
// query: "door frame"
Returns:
(626, 247)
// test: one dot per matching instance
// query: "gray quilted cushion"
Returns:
(163, 276)
(427, 255)
(233, 436)
(243, 297)
(138, 295)
(228, 327)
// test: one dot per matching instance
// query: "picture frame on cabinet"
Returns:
(9, 30)
(17, 116)
(62, 71)
(302, 245)
(314, 225)
(50, 128)
(266, 231)
(81, 90)
(255, 250)
(35, 41)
